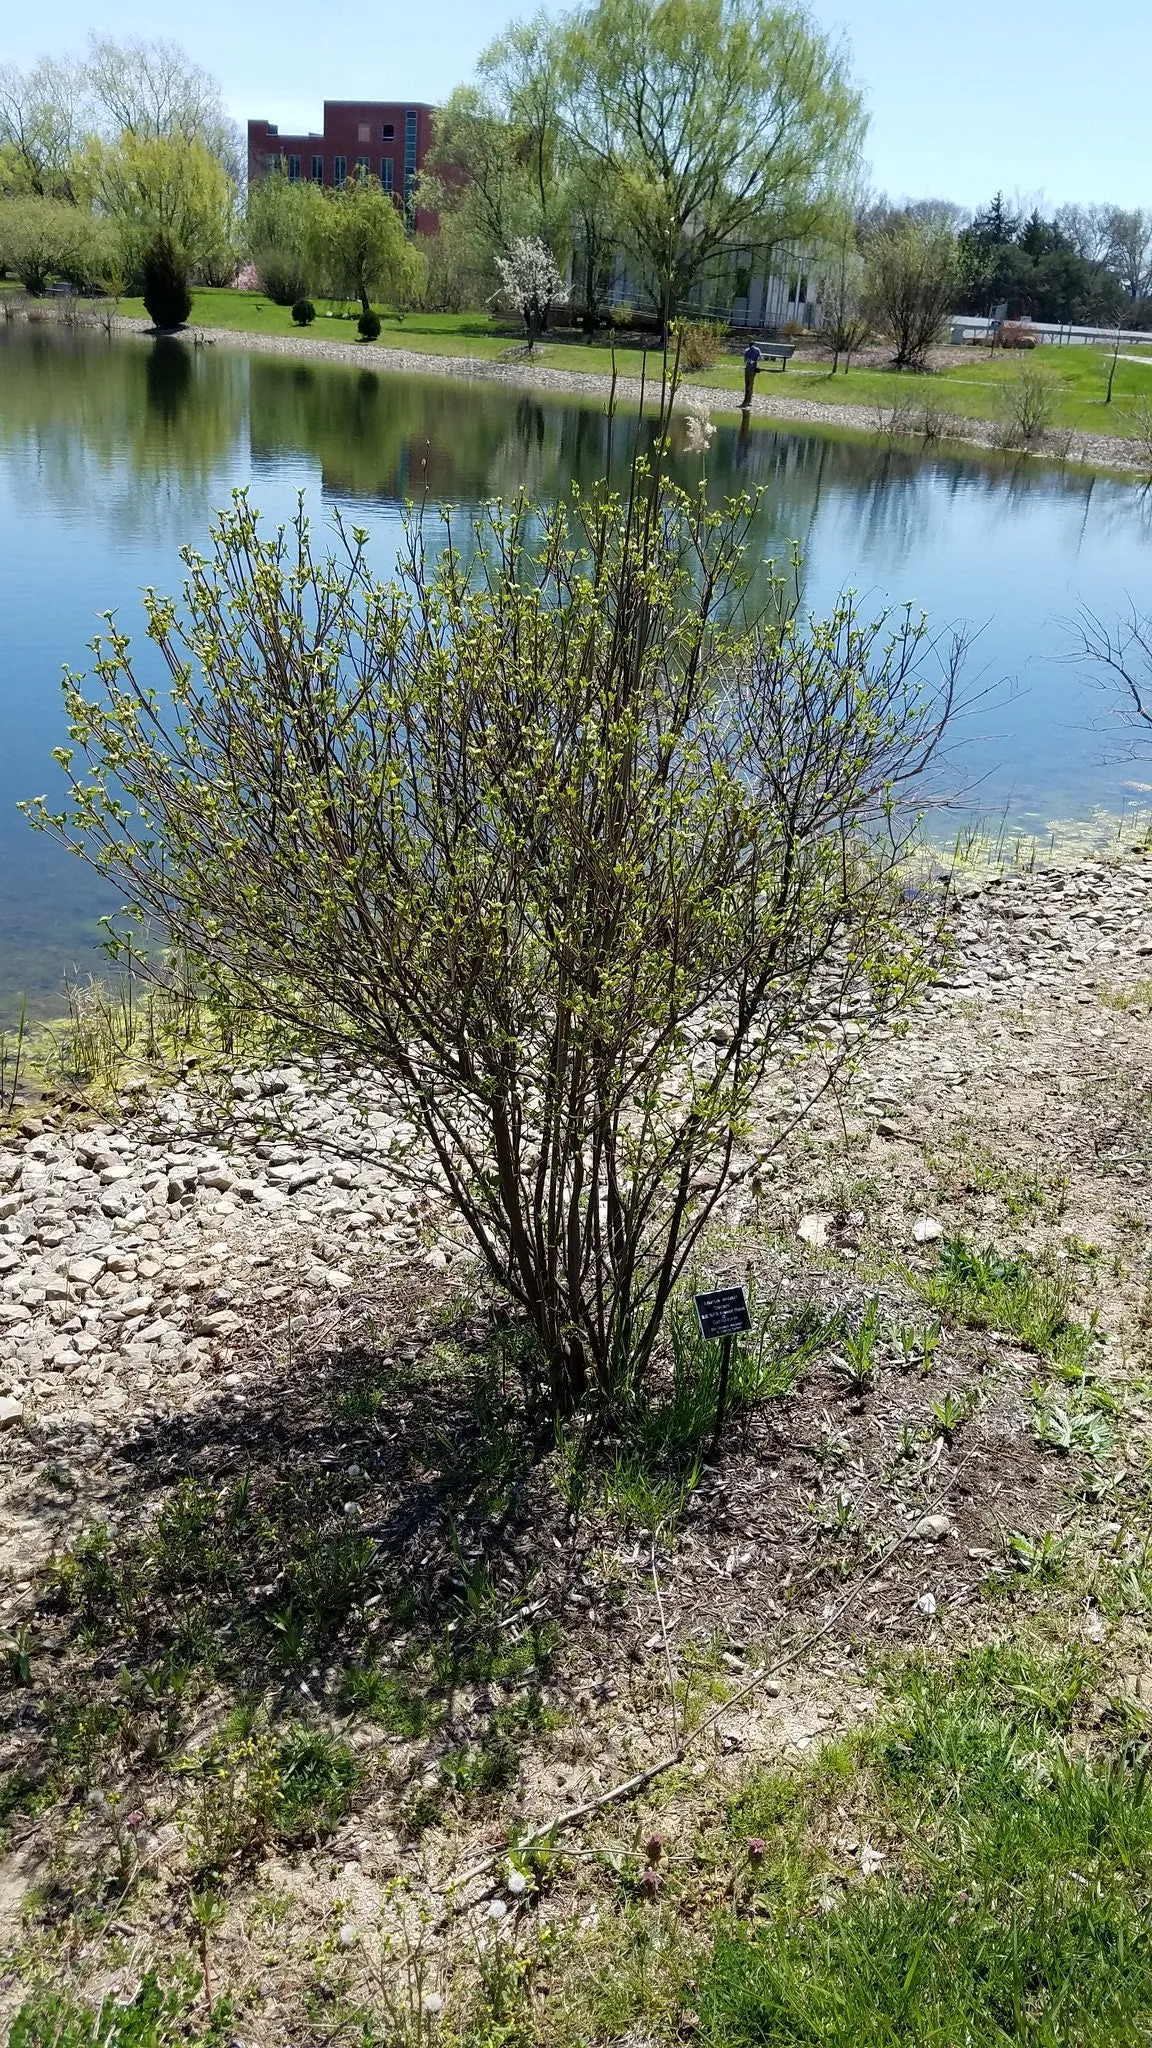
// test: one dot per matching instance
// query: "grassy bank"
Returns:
(977, 388)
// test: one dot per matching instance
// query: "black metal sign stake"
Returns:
(724, 1314)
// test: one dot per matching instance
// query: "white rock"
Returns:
(933, 1528)
(219, 1322)
(10, 1412)
(85, 1272)
(814, 1231)
(926, 1604)
(926, 1230)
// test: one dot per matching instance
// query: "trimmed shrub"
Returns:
(303, 312)
(167, 299)
(369, 326)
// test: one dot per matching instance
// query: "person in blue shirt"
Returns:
(752, 359)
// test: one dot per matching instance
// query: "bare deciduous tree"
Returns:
(153, 90)
(1119, 654)
(41, 123)
(841, 292)
(1130, 248)
(910, 280)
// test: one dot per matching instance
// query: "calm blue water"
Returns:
(113, 454)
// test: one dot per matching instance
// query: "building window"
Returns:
(388, 132)
(387, 171)
(294, 170)
(317, 170)
(364, 132)
(339, 170)
(362, 164)
(274, 159)
(409, 157)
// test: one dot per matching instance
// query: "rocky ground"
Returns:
(211, 1282)
(130, 1251)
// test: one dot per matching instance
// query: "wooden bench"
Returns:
(777, 351)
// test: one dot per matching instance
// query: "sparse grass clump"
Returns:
(664, 1430)
(991, 1291)
(158, 2016)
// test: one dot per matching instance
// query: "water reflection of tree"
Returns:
(88, 421)
(384, 438)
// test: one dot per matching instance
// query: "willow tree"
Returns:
(363, 251)
(719, 124)
(548, 832)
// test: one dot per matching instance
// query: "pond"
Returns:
(112, 454)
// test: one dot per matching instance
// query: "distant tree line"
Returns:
(1088, 265)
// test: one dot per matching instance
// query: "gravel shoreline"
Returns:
(1096, 451)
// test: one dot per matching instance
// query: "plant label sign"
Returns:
(723, 1313)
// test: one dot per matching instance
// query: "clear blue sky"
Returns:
(1047, 98)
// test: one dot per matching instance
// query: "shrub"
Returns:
(303, 312)
(558, 847)
(1017, 334)
(283, 277)
(699, 343)
(1025, 404)
(167, 299)
(368, 326)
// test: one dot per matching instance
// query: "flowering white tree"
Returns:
(529, 281)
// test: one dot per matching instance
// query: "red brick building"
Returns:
(391, 140)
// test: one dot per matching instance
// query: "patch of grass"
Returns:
(1010, 1889)
(1136, 999)
(389, 1699)
(989, 1291)
(1025, 1191)
(293, 1786)
(860, 1348)
(1065, 1425)
(316, 1778)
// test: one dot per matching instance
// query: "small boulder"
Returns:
(926, 1230)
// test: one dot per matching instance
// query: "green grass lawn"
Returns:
(970, 390)
(1011, 1880)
